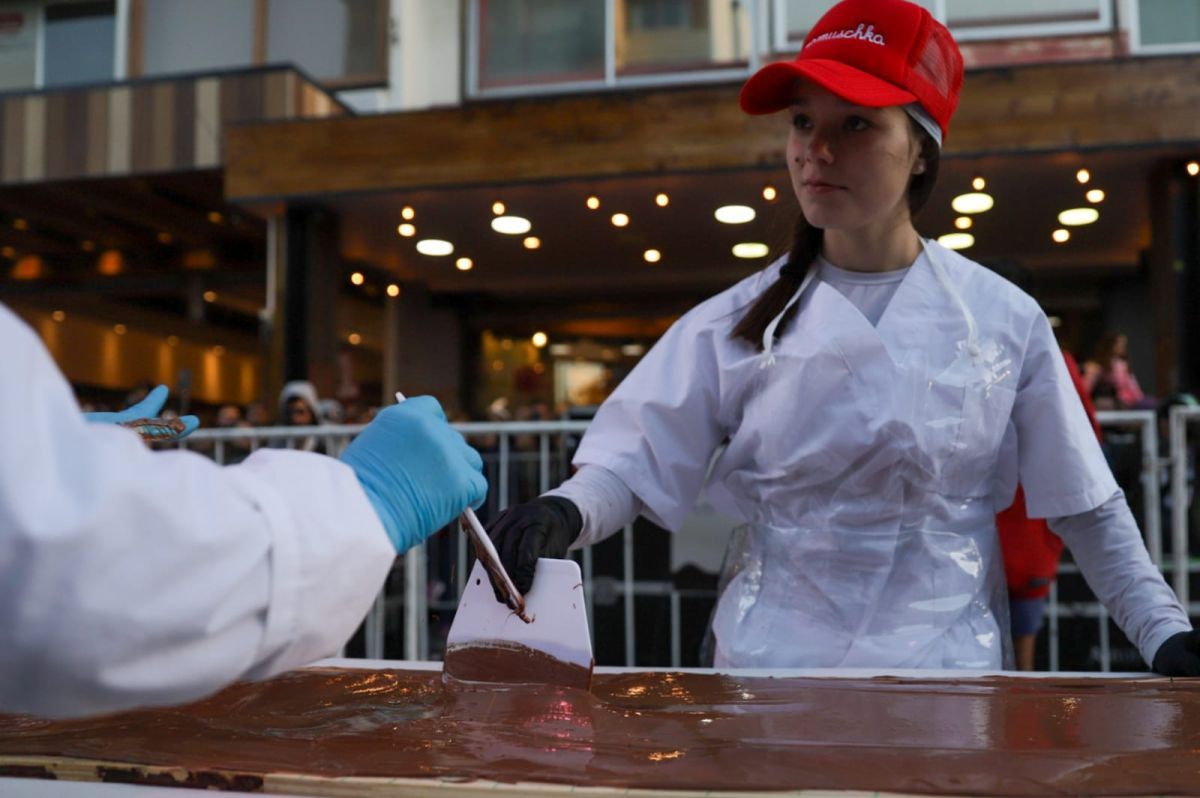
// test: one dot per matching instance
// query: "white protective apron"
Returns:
(873, 539)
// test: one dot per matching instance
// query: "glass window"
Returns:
(190, 36)
(79, 43)
(680, 35)
(18, 46)
(1169, 22)
(523, 42)
(329, 39)
(801, 15)
(985, 13)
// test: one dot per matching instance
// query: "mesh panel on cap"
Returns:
(939, 64)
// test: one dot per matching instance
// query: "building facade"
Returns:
(230, 194)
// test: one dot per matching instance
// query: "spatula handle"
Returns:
(487, 554)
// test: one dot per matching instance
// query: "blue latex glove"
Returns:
(150, 407)
(418, 473)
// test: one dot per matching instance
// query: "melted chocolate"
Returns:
(993, 736)
(512, 663)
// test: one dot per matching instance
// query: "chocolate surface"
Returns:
(993, 736)
(512, 663)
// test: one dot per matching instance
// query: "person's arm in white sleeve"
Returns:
(1108, 548)
(605, 503)
(136, 578)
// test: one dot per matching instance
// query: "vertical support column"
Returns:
(304, 332)
(1175, 276)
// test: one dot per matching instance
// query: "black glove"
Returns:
(544, 527)
(1179, 655)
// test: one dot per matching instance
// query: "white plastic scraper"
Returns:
(488, 642)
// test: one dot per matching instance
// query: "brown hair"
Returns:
(806, 245)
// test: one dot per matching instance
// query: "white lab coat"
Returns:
(136, 578)
(868, 461)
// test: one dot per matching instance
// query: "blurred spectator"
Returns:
(299, 406)
(1108, 379)
(332, 411)
(257, 415)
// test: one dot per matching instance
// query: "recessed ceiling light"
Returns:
(434, 247)
(734, 214)
(539, 339)
(1061, 236)
(393, 290)
(58, 315)
(532, 242)
(977, 202)
(119, 329)
(593, 202)
(407, 230)
(1074, 217)
(957, 240)
(215, 217)
(662, 200)
(354, 338)
(358, 279)
(769, 193)
(750, 250)
(620, 219)
(964, 222)
(210, 296)
(1193, 168)
(464, 264)
(511, 225)
(652, 256)
(979, 184)
(407, 212)
(1083, 175)
(498, 208)
(1095, 195)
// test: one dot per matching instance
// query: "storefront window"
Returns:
(1169, 22)
(524, 42)
(680, 35)
(186, 36)
(800, 15)
(989, 13)
(340, 42)
(18, 46)
(79, 44)
(349, 47)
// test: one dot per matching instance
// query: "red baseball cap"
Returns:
(873, 53)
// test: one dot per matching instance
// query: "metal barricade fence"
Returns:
(524, 459)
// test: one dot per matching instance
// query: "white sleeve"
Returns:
(604, 501)
(1106, 544)
(1061, 466)
(658, 429)
(134, 578)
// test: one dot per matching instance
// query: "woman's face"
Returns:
(850, 165)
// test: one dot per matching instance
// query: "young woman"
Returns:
(879, 398)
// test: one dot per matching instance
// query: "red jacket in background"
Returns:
(1030, 549)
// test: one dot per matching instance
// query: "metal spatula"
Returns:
(489, 643)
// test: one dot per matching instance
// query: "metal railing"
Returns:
(525, 459)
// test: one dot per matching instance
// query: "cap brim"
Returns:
(770, 89)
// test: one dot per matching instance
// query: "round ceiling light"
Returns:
(1095, 195)
(407, 230)
(1074, 217)
(464, 264)
(435, 247)
(652, 256)
(734, 214)
(1061, 236)
(750, 249)
(957, 240)
(511, 225)
(975, 202)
